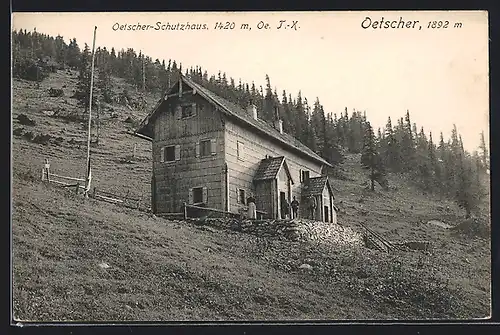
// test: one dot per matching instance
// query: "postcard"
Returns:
(250, 166)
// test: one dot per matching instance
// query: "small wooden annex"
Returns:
(209, 152)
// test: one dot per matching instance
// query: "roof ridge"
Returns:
(296, 141)
(239, 113)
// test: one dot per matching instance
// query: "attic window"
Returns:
(188, 110)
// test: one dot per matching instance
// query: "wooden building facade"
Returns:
(207, 151)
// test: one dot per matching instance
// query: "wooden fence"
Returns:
(125, 200)
(79, 184)
(64, 181)
(193, 211)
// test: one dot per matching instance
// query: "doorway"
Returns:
(327, 216)
(282, 201)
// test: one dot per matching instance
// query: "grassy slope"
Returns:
(168, 270)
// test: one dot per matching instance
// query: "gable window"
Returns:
(205, 148)
(188, 110)
(241, 196)
(170, 153)
(239, 149)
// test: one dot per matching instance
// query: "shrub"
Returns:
(18, 132)
(56, 92)
(29, 69)
(24, 120)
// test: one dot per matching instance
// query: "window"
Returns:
(241, 196)
(206, 148)
(170, 153)
(304, 176)
(197, 195)
(239, 149)
(187, 111)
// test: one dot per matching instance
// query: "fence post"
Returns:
(47, 169)
(185, 211)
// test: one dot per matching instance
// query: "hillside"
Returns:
(172, 270)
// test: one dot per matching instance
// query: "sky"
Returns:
(440, 75)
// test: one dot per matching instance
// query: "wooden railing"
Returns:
(201, 211)
(50, 177)
(125, 200)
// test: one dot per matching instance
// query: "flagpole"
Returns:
(87, 188)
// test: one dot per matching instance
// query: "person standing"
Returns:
(312, 206)
(252, 209)
(295, 208)
(285, 209)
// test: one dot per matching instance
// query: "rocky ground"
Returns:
(328, 234)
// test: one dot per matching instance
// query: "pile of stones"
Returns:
(295, 230)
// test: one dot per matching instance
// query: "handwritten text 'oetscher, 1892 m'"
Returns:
(383, 23)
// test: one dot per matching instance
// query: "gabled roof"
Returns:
(315, 186)
(270, 167)
(235, 112)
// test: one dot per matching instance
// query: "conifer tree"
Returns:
(468, 192)
(300, 118)
(318, 123)
(73, 54)
(332, 152)
(83, 85)
(370, 159)
(407, 144)
(355, 134)
(61, 51)
(391, 152)
(476, 159)
(269, 103)
(434, 164)
(484, 152)
(104, 82)
(340, 128)
(424, 169)
(287, 113)
(447, 167)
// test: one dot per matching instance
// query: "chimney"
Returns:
(278, 123)
(252, 111)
